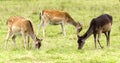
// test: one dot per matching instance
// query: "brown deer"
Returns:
(56, 17)
(101, 24)
(23, 26)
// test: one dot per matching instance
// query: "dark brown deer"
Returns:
(101, 24)
(23, 26)
(56, 17)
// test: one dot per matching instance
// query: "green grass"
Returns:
(55, 47)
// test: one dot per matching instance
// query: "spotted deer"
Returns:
(56, 17)
(20, 25)
(101, 24)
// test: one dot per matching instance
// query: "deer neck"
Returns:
(72, 22)
(88, 33)
(33, 36)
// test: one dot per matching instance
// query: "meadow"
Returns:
(57, 48)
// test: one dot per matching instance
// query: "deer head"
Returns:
(80, 41)
(38, 43)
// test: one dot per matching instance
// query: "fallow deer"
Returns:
(20, 25)
(56, 17)
(101, 24)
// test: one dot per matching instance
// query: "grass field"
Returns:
(57, 48)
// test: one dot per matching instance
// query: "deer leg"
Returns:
(108, 39)
(43, 25)
(40, 25)
(44, 22)
(43, 30)
(13, 38)
(63, 29)
(24, 37)
(28, 41)
(7, 38)
(99, 36)
(95, 40)
(106, 35)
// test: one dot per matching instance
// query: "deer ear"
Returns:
(78, 36)
(41, 39)
(86, 35)
(80, 23)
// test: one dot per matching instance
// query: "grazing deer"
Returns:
(56, 17)
(101, 24)
(23, 26)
